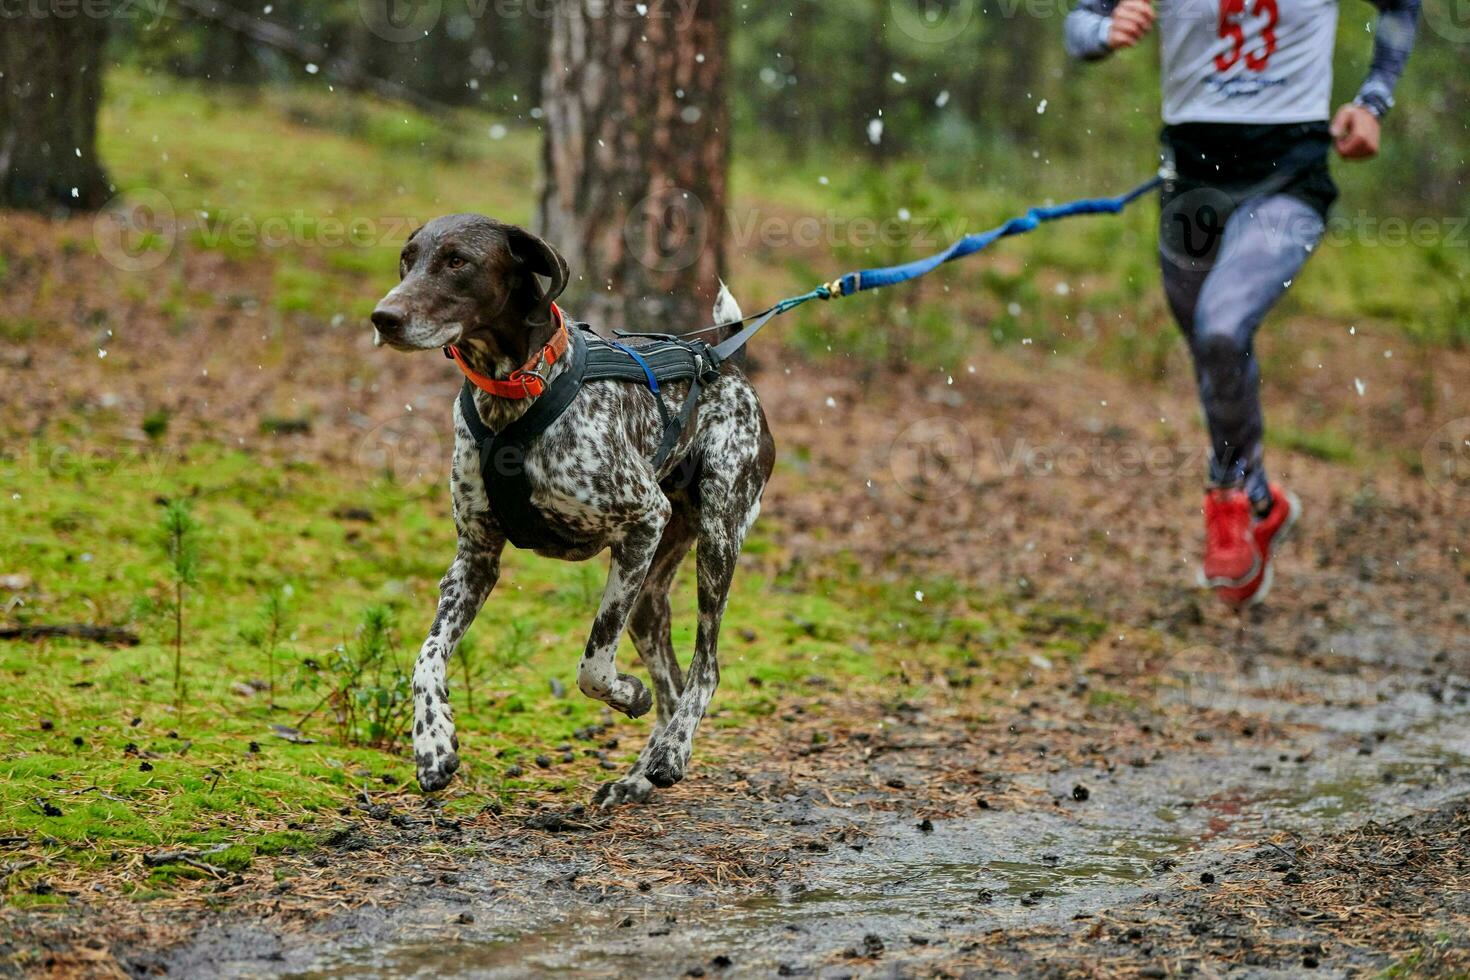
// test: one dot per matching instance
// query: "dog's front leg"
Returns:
(597, 674)
(462, 592)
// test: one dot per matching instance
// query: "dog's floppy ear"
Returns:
(540, 258)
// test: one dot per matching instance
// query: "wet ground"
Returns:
(1034, 881)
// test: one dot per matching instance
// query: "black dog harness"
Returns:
(653, 362)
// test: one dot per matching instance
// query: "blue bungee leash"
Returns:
(857, 282)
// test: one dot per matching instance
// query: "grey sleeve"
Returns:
(1087, 27)
(1393, 40)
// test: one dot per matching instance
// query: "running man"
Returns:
(1247, 98)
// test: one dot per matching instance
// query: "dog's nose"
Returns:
(387, 320)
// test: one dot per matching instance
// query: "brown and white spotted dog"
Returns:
(472, 282)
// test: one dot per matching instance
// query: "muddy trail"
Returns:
(1282, 791)
(1138, 877)
(1263, 814)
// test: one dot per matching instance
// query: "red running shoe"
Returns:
(1232, 557)
(1285, 510)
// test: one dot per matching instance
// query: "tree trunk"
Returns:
(50, 88)
(875, 92)
(637, 139)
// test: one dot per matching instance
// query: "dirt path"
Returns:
(1264, 836)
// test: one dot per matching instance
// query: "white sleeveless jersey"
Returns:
(1247, 61)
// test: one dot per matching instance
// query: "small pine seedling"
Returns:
(273, 626)
(180, 543)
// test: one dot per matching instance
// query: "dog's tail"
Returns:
(727, 311)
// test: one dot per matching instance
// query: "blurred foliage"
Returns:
(979, 90)
(331, 203)
(471, 53)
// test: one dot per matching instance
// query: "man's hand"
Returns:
(1132, 19)
(1355, 132)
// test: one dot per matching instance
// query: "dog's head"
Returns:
(471, 280)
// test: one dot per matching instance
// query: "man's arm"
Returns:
(1087, 28)
(1355, 127)
(1097, 28)
(1393, 40)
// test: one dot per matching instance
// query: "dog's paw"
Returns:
(665, 766)
(640, 703)
(435, 772)
(630, 789)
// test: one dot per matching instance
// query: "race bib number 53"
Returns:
(1232, 29)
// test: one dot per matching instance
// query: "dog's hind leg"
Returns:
(597, 674)
(649, 626)
(462, 592)
(723, 524)
(650, 622)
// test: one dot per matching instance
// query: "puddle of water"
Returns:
(902, 871)
(425, 960)
(903, 882)
(1362, 792)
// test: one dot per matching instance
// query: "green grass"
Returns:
(18, 331)
(97, 761)
(326, 185)
(1105, 267)
(1328, 445)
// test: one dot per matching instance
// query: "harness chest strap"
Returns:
(503, 454)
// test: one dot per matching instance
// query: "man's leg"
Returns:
(1192, 223)
(1266, 243)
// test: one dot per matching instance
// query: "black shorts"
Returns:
(1244, 160)
(1217, 166)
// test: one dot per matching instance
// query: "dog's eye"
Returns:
(456, 262)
